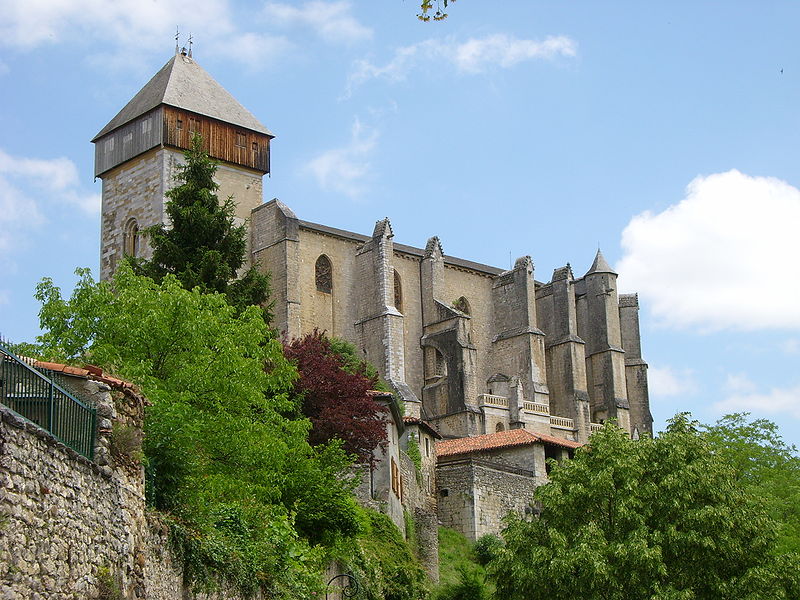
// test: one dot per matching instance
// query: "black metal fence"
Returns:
(33, 395)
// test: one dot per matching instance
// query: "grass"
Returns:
(455, 557)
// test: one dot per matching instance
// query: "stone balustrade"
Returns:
(536, 407)
(562, 422)
(492, 400)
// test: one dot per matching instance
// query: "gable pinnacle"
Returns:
(434, 246)
(383, 228)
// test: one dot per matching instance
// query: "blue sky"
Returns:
(666, 133)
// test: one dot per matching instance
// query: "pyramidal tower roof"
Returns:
(600, 265)
(184, 84)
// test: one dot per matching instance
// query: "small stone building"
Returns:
(481, 479)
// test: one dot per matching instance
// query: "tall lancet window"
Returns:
(398, 292)
(130, 238)
(323, 274)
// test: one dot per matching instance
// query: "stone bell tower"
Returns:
(137, 151)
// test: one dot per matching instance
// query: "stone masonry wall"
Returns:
(498, 492)
(64, 519)
(67, 523)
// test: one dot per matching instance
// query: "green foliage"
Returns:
(654, 518)
(460, 576)
(108, 587)
(126, 443)
(382, 561)
(411, 529)
(765, 465)
(471, 585)
(25, 349)
(234, 477)
(415, 455)
(487, 548)
(203, 247)
(455, 555)
(355, 365)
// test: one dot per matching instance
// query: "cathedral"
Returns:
(505, 370)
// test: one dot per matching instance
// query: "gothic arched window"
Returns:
(398, 292)
(462, 305)
(499, 427)
(323, 274)
(130, 238)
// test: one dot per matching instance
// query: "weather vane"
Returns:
(177, 34)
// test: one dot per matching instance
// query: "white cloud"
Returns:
(57, 177)
(131, 27)
(252, 49)
(791, 346)
(476, 55)
(744, 396)
(666, 381)
(29, 189)
(27, 185)
(36, 22)
(332, 21)
(346, 170)
(723, 258)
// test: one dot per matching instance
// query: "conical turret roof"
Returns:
(600, 265)
(184, 84)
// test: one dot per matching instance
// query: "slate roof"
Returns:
(600, 265)
(184, 84)
(498, 441)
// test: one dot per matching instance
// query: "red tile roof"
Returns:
(89, 372)
(500, 440)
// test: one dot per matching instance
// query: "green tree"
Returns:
(765, 465)
(225, 466)
(203, 247)
(660, 518)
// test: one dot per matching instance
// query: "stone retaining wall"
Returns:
(69, 525)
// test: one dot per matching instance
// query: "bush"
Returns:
(382, 561)
(470, 586)
(486, 548)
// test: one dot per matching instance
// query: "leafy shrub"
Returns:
(108, 587)
(126, 442)
(470, 586)
(382, 561)
(486, 548)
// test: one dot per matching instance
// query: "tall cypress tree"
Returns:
(204, 247)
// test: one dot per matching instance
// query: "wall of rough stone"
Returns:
(456, 502)
(134, 190)
(65, 520)
(499, 491)
(476, 492)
